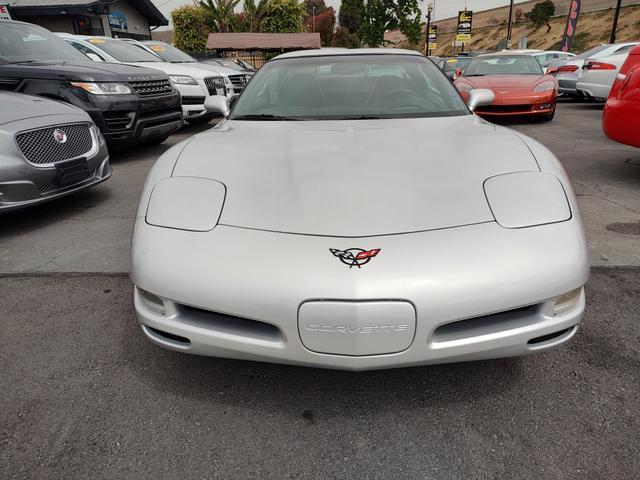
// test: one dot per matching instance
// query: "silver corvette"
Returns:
(48, 150)
(351, 212)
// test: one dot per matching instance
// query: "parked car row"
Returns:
(66, 99)
(591, 74)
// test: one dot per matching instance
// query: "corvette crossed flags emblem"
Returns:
(355, 257)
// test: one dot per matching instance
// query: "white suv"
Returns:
(194, 84)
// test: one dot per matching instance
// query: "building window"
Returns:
(87, 25)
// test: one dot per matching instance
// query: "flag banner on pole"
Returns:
(572, 25)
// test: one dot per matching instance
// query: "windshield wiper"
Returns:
(360, 117)
(262, 116)
(475, 75)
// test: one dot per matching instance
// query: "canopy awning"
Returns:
(263, 41)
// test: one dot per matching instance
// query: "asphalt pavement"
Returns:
(85, 396)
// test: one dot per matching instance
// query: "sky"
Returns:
(443, 8)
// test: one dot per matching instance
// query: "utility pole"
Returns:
(313, 18)
(615, 22)
(509, 28)
(426, 45)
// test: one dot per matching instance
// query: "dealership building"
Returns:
(112, 18)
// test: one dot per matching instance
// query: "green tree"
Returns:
(345, 39)
(541, 13)
(350, 15)
(378, 16)
(254, 14)
(284, 16)
(191, 27)
(222, 12)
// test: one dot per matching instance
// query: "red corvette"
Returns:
(518, 82)
(621, 117)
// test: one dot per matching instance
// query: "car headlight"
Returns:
(182, 80)
(566, 302)
(102, 88)
(464, 87)
(544, 87)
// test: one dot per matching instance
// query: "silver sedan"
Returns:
(47, 150)
(352, 212)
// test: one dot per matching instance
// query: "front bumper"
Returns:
(238, 293)
(528, 104)
(126, 120)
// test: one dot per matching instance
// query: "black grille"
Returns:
(46, 188)
(189, 100)
(151, 87)
(118, 120)
(504, 109)
(213, 83)
(238, 80)
(41, 147)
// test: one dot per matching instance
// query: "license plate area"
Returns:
(357, 328)
(71, 172)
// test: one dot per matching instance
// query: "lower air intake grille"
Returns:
(187, 100)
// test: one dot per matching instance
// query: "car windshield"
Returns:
(229, 64)
(28, 43)
(451, 64)
(169, 53)
(123, 51)
(503, 65)
(592, 51)
(349, 87)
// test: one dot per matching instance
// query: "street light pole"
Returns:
(509, 28)
(313, 18)
(615, 22)
(426, 45)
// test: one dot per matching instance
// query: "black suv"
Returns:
(129, 104)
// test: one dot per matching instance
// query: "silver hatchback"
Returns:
(48, 149)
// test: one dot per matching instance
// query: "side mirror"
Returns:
(480, 97)
(457, 73)
(552, 70)
(217, 104)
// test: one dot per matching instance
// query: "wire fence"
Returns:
(257, 59)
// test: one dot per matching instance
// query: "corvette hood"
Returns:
(355, 178)
(503, 81)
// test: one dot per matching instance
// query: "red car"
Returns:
(518, 82)
(621, 117)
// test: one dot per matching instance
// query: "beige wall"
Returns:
(136, 23)
(55, 23)
(499, 15)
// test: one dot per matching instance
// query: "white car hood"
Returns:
(212, 68)
(174, 68)
(355, 178)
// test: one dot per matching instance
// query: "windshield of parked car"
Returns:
(20, 43)
(229, 64)
(123, 51)
(169, 53)
(592, 51)
(503, 65)
(348, 87)
(451, 64)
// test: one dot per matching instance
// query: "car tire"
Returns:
(201, 120)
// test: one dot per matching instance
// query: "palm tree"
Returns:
(223, 13)
(254, 13)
